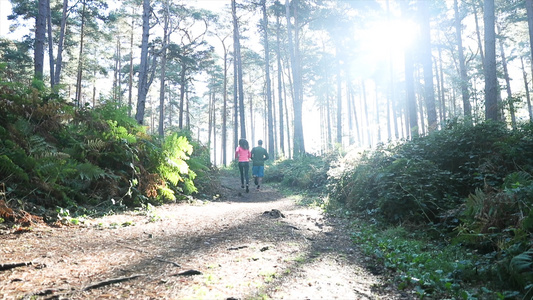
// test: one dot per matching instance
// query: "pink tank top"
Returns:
(242, 154)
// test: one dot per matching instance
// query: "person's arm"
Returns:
(266, 155)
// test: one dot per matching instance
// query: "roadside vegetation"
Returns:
(60, 162)
(448, 214)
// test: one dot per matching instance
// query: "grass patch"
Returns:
(434, 270)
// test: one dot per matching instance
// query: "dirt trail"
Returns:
(241, 251)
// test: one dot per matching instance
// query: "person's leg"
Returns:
(255, 171)
(246, 170)
(241, 171)
(260, 175)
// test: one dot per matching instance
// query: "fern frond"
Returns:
(167, 194)
(88, 171)
(522, 263)
(475, 203)
(8, 167)
(96, 145)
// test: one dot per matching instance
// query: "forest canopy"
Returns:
(304, 76)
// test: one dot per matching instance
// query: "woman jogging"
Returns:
(243, 154)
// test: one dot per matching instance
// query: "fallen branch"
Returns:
(4, 267)
(237, 248)
(188, 273)
(170, 262)
(111, 281)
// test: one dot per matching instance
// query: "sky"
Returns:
(5, 10)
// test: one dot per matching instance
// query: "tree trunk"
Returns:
(59, 58)
(339, 101)
(478, 34)
(280, 87)
(298, 137)
(526, 86)
(50, 43)
(349, 110)
(225, 106)
(427, 64)
(80, 57)
(130, 79)
(442, 94)
(491, 81)
(143, 68)
(238, 62)
(462, 67)
(391, 112)
(270, 111)
(507, 83)
(116, 70)
(529, 9)
(183, 73)
(411, 103)
(40, 39)
(235, 101)
(367, 117)
(351, 98)
(166, 38)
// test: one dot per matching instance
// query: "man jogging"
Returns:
(259, 155)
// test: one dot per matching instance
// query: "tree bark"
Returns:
(298, 137)
(143, 68)
(183, 73)
(507, 83)
(80, 57)
(427, 64)
(40, 38)
(270, 112)
(491, 81)
(339, 100)
(529, 9)
(467, 108)
(162, 80)
(224, 104)
(280, 86)
(59, 58)
(526, 87)
(130, 79)
(50, 43)
(238, 62)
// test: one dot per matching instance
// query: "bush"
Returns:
(307, 172)
(57, 156)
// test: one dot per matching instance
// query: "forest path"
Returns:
(241, 246)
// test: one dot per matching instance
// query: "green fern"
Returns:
(475, 204)
(176, 149)
(166, 194)
(117, 132)
(88, 171)
(521, 267)
(96, 145)
(24, 127)
(8, 167)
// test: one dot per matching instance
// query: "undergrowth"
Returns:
(449, 215)
(432, 268)
(467, 192)
(61, 162)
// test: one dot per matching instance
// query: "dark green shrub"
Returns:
(63, 157)
(307, 172)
